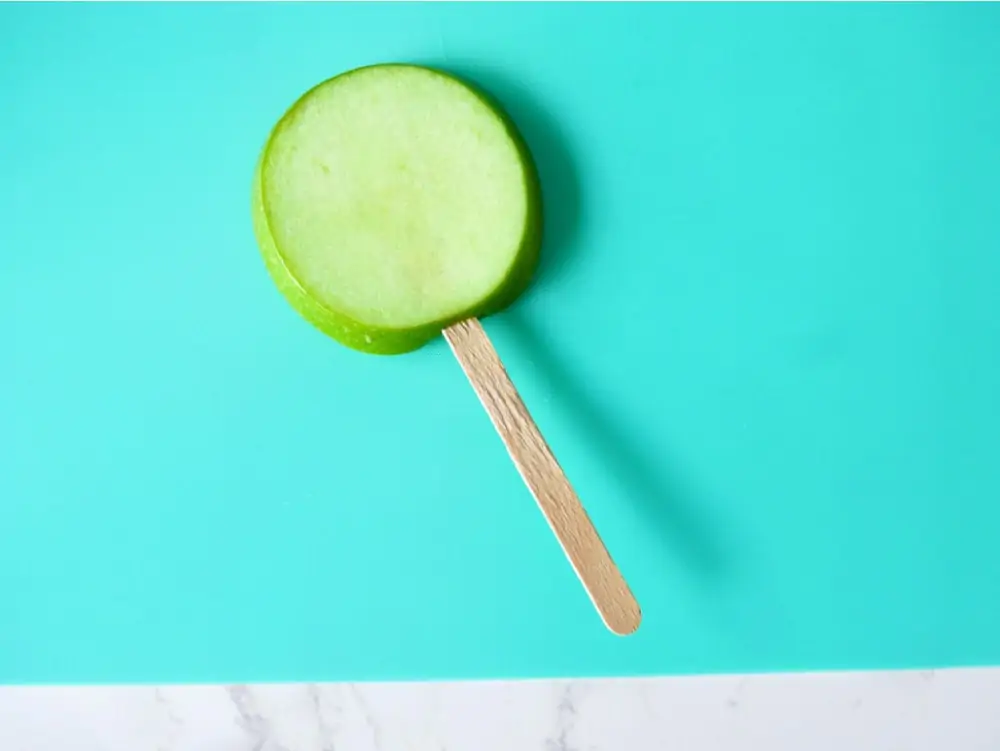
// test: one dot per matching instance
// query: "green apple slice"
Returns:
(392, 201)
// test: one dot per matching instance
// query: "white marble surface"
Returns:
(957, 710)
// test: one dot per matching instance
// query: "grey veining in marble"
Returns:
(957, 710)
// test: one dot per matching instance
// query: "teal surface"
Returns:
(764, 343)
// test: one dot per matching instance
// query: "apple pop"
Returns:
(394, 203)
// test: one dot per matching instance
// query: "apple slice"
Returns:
(392, 201)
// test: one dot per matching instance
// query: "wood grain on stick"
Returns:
(544, 477)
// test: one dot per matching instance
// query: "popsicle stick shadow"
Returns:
(688, 533)
(561, 192)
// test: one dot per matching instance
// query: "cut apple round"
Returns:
(392, 201)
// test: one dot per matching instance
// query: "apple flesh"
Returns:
(392, 201)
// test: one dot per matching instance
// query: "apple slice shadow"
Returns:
(548, 144)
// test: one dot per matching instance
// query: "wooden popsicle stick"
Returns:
(544, 477)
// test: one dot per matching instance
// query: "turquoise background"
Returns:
(764, 344)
